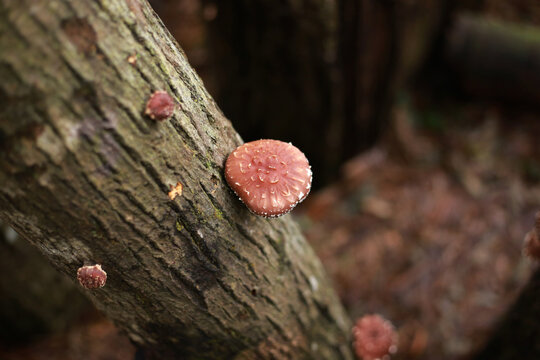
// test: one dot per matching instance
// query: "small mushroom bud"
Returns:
(374, 338)
(92, 276)
(271, 177)
(160, 106)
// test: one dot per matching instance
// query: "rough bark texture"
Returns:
(85, 178)
(518, 334)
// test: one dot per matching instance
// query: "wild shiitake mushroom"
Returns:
(160, 106)
(92, 276)
(374, 338)
(271, 177)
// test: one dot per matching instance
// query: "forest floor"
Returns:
(425, 229)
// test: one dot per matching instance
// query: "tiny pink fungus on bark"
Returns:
(269, 176)
(160, 106)
(92, 276)
(374, 338)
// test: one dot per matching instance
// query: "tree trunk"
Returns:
(382, 44)
(322, 74)
(518, 334)
(275, 67)
(85, 177)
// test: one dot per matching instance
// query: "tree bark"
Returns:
(518, 334)
(85, 177)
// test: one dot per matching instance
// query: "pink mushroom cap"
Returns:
(160, 106)
(271, 177)
(92, 276)
(374, 338)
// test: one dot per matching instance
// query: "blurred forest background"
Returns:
(420, 119)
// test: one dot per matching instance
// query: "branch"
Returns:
(85, 177)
